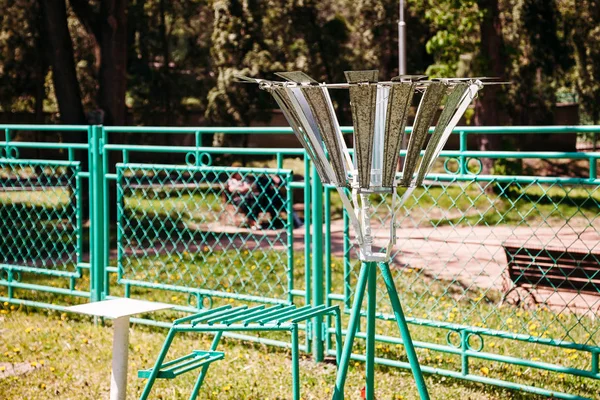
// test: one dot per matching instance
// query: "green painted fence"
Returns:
(499, 274)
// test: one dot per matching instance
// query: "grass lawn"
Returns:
(72, 356)
(69, 358)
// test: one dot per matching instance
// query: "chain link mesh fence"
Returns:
(499, 260)
(39, 216)
(218, 231)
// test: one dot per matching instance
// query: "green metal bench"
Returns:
(278, 318)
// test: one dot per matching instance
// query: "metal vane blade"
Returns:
(362, 101)
(307, 135)
(397, 113)
(325, 118)
(454, 99)
(466, 99)
(427, 109)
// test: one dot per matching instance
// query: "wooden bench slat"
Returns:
(555, 268)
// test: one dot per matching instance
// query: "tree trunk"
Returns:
(166, 78)
(60, 56)
(492, 53)
(62, 61)
(113, 53)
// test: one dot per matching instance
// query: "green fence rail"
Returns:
(499, 273)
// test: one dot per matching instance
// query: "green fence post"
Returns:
(97, 251)
(307, 242)
(327, 299)
(317, 261)
(462, 168)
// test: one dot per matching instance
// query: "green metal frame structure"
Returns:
(86, 272)
(278, 318)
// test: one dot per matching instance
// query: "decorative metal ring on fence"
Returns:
(479, 166)
(202, 301)
(453, 339)
(470, 345)
(10, 275)
(447, 165)
(198, 159)
(9, 152)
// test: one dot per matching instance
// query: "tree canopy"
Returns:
(93, 60)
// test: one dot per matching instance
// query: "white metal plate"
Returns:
(118, 308)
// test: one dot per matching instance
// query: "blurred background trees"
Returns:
(173, 62)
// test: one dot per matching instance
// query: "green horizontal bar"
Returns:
(45, 145)
(179, 360)
(32, 303)
(482, 355)
(241, 314)
(194, 365)
(231, 328)
(482, 130)
(470, 377)
(201, 314)
(298, 292)
(493, 333)
(260, 313)
(211, 150)
(57, 163)
(47, 289)
(182, 365)
(512, 178)
(33, 127)
(314, 313)
(519, 154)
(211, 319)
(257, 311)
(171, 167)
(200, 129)
(282, 314)
(42, 271)
(543, 129)
(233, 335)
(268, 312)
(183, 289)
(533, 364)
(302, 312)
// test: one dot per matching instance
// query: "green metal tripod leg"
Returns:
(402, 325)
(200, 380)
(344, 361)
(371, 305)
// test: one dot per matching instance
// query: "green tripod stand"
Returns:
(367, 281)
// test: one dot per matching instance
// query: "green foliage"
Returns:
(19, 55)
(457, 29)
(183, 56)
(547, 46)
(581, 19)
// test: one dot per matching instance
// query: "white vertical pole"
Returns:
(401, 41)
(118, 377)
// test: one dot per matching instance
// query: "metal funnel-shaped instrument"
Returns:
(379, 113)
